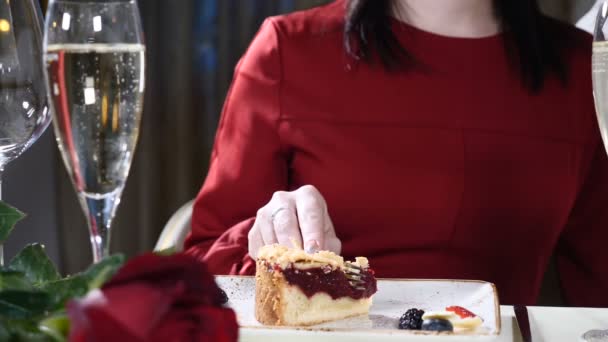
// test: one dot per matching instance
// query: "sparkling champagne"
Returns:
(97, 94)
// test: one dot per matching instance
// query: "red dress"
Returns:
(454, 170)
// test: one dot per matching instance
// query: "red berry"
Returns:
(460, 311)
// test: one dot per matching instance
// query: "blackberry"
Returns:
(411, 319)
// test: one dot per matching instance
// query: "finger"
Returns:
(286, 227)
(255, 242)
(265, 227)
(310, 208)
(334, 245)
(332, 242)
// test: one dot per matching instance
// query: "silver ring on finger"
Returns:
(276, 212)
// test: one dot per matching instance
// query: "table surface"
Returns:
(548, 324)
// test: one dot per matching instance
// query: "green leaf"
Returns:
(99, 273)
(22, 330)
(31, 336)
(76, 286)
(35, 264)
(9, 310)
(9, 216)
(16, 304)
(13, 280)
(61, 291)
(4, 332)
(57, 327)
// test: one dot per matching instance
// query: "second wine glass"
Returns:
(24, 111)
(95, 63)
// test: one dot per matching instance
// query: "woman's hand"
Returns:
(299, 217)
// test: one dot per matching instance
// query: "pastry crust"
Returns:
(267, 295)
(280, 303)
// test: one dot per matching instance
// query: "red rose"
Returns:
(155, 298)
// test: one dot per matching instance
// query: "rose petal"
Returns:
(155, 298)
(99, 327)
(165, 271)
(136, 307)
(203, 323)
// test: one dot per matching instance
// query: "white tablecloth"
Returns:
(558, 324)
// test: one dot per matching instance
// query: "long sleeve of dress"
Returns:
(247, 163)
(581, 255)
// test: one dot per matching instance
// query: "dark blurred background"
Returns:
(193, 46)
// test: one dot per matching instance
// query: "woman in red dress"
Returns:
(439, 138)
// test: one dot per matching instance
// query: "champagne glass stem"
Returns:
(100, 210)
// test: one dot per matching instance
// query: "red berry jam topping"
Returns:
(331, 281)
(460, 311)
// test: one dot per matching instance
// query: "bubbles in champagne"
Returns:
(97, 93)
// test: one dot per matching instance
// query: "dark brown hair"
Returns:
(531, 48)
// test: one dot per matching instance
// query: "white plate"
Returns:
(393, 298)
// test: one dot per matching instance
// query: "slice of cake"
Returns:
(295, 288)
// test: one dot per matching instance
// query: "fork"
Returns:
(353, 274)
(352, 271)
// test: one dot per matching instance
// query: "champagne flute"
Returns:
(95, 61)
(24, 110)
(600, 70)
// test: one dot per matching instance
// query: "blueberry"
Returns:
(223, 297)
(437, 325)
